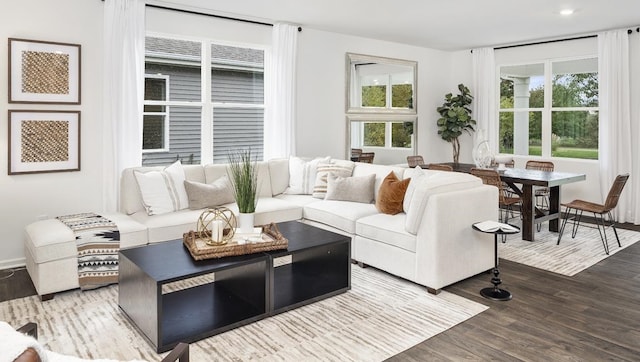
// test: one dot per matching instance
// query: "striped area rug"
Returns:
(379, 317)
(571, 256)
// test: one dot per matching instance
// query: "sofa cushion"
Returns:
(279, 173)
(391, 194)
(163, 191)
(302, 175)
(339, 168)
(300, 200)
(214, 194)
(388, 229)
(356, 189)
(170, 226)
(215, 171)
(416, 175)
(436, 182)
(340, 214)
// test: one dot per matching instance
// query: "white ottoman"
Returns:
(51, 252)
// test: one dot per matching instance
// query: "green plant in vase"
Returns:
(455, 118)
(243, 174)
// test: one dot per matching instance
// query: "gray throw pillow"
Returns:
(202, 196)
(356, 188)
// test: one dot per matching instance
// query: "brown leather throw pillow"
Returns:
(391, 194)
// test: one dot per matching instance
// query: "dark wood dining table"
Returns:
(531, 215)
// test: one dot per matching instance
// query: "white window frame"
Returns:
(547, 109)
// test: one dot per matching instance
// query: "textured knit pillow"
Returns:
(201, 195)
(356, 189)
(391, 194)
(163, 191)
(339, 168)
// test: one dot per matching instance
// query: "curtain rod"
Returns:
(629, 31)
(212, 15)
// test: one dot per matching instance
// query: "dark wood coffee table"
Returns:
(172, 298)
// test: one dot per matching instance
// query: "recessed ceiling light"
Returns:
(566, 12)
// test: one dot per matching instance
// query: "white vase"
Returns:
(245, 222)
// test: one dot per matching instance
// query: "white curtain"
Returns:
(614, 137)
(123, 76)
(484, 98)
(280, 112)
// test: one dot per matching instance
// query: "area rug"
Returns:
(379, 317)
(571, 256)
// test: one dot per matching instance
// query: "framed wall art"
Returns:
(43, 72)
(43, 141)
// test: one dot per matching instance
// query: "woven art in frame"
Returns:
(43, 72)
(43, 141)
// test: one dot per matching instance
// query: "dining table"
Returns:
(522, 182)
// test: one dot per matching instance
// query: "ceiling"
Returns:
(437, 24)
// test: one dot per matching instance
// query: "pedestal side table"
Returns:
(496, 293)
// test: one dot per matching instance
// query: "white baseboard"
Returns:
(13, 263)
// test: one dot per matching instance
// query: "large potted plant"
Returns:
(243, 174)
(455, 118)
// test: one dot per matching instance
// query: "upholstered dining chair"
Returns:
(491, 177)
(366, 157)
(598, 210)
(414, 161)
(440, 167)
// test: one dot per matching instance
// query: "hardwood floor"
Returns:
(594, 315)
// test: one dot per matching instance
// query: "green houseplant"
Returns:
(455, 118)
(243, 174)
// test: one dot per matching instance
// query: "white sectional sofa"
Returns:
(431, 244)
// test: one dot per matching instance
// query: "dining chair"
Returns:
(541, 194)
(506, 202)
(598, 210)
(355, 154)
(414, 161)
(366, 157)
(440, 167)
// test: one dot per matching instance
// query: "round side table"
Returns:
(496, 293)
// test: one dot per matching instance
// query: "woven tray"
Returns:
(271, 236)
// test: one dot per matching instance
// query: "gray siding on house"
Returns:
(233, 128)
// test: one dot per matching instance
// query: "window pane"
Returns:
(402, 96)
(235, 128)
(154, 108)
(575, 83)
(522, 86)
(236, 86)
(374, 96)
(155, 89)
(520, 133)
(374, 134)
(179, 61)
(401, 134)
(153, 132)
(184, 80)
(184, 137)
(575, 134)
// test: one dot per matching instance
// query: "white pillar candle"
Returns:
(217, 230)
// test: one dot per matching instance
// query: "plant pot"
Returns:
(245, 222)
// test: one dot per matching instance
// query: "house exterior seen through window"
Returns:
(549, 109)
(177, 111)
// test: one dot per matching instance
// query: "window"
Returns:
(184, 118)
(384, 134)
(549, 109)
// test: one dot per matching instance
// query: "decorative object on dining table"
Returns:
(482, 153)
(216, 226)
(243, 174)
(269, 238)
(502, 161)
(455, 117)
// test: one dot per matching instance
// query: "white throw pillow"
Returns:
(163, 191)
(417, 175)
(302, 175)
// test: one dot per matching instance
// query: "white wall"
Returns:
(23, 198)
(321, 118)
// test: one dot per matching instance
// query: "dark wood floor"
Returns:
(592, 316)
